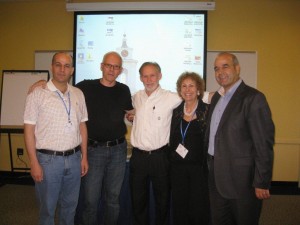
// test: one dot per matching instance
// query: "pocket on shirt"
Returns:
(158, 118)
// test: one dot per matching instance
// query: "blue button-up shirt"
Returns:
(217, 115)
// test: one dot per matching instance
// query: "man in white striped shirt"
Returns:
(56, 142)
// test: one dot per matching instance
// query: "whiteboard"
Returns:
(15, 85)
(248, 63)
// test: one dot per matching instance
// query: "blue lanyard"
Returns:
(68, 111)
(183, 134)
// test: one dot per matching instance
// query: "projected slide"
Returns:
(175, 41)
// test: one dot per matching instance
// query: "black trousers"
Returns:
(146, 168)
(244, 210)
(189, 188)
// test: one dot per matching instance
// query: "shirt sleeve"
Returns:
(31, 108)
(205, 97)
(128, 100)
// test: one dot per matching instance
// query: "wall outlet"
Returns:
(20, 151)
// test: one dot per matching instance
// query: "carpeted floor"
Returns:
(281, 210)
(18, 207)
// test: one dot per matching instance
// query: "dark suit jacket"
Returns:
(243, 143)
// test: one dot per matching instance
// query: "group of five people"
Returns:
(215, 160)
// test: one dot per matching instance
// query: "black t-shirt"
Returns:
(106, 109)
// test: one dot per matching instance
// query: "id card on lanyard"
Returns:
(181, 150)
(69, 128)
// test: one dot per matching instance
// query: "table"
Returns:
(12, 130)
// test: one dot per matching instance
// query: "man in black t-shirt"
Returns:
(107, 102)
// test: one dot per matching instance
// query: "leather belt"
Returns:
(59, 153)
(149, 152)
(95, 143)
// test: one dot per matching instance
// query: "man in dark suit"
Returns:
(240, 139)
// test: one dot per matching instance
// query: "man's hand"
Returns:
(262, 193)
(37, 84)
(84, 166)
(37, 172)
(130, 115)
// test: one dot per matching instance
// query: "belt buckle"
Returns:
(107, 144)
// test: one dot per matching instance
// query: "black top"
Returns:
(106, 109)
(194, 138)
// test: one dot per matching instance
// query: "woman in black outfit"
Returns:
(190, 201)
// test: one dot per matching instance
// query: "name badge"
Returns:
(181, 150)
(69, 128)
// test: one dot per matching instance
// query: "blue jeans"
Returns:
(59, 188)
(106, 174)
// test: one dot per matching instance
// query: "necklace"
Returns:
(190, 113)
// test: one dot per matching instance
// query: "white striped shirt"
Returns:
(47, 109)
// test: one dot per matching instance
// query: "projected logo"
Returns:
(109, 32)
(80, 44)
(128, 75)
(198, 32)
(188, 20)
(110, 20)
(81, 32)
(187, 60)
(80, 58)
(187, 46)
(90, 44)
(198, 20)
(197, 60)
(89, 57)
(81, 19)
(188, 33)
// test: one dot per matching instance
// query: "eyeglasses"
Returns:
(109, 66)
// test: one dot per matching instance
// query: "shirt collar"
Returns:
(232, 90)
(52, 87)
(154, 93)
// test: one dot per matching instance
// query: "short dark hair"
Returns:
(234, 59)
(57, 53)
(150, 64)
